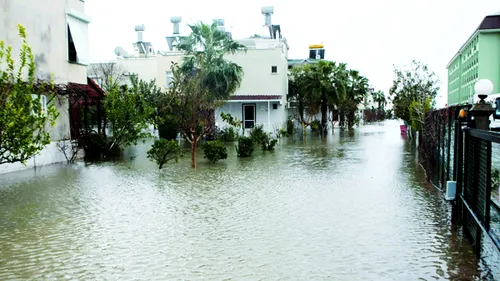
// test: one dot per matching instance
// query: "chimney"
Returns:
(267, 12)
(140, 30)
(175, 21)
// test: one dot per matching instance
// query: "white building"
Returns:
(261, 98)
(58, 35)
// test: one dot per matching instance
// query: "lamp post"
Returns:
(482, 110)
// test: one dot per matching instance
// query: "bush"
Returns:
(228, 134)
(290, 127)
(168, 130)
(268, 143)
(214, 151)
(162, 151)
(94, 146)
(315, 125)
(258, 135)
(245, 146)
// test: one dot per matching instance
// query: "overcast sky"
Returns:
(368, 35)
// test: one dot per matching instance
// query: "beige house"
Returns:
(261, 99)
(58, 35)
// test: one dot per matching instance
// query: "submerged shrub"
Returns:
(215, 151)
(245, 146)
(258, 134)
(162, 151)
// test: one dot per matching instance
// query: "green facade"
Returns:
(479, 58)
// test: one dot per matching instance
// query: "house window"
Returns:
(275, 106)
(77, 37)
(168, 79)
(274, 69)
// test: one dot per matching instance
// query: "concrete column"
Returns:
(269, 116)
(481, 112)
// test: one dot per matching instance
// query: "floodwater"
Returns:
(352, 207)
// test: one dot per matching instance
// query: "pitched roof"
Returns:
(255, 97)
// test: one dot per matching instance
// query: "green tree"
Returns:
(413, 87)
(163, 151)
(356, 91)
(204, 80)
(129, 114)
(23, 122)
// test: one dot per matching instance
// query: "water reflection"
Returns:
(350, 207)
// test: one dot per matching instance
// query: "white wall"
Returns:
(277, 116)
(47, 36)
(258, 78)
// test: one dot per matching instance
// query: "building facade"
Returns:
(58, 36)
(261, 97)
(478, 58)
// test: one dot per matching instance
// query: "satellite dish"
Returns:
(120, 52)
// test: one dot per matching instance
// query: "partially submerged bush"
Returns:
(269, 143)
(258, 134)
(214, 151)
(245, 146)
(162, 151)
(228, 134)
(315, 125)
(290, 127)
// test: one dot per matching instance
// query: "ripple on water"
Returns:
(350, 208)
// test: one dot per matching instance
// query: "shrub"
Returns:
(290, 127)
(214, 151)
(315, 125)
(228, 134)
(268, 143)
(162, 151)
(168, 130)
(258, 135)
(245, 146)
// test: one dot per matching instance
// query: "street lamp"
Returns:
(482, 110)
(483, 88)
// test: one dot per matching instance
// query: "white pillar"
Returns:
(268, 116)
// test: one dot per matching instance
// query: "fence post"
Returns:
(458, 172)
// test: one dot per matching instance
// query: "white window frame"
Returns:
(78, 24)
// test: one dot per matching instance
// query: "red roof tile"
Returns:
(255, 97)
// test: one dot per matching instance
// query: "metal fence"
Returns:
(438, 141)
(476, 208)
(453, 150)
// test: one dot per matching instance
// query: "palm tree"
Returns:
(325, 81)
(357, 88)
(217, 78)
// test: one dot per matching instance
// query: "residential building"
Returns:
(261, 98)
(478, 58)
(58, 36)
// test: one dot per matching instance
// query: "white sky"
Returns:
(369, 35)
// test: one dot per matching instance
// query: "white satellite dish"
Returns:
(120, 52)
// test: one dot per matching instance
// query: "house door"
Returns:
(249, 116)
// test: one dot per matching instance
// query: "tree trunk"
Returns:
(304, 132)
(193, 153)
(324, 112)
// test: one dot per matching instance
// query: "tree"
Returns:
(301, 96)
(163, 151)
(129, 114)
(413, 87)
(23, 117)
(204, 80)
(379, 98)
(107, 74)
(356, 90)
(316, 88)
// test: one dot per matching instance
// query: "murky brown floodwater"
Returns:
(349, 208)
